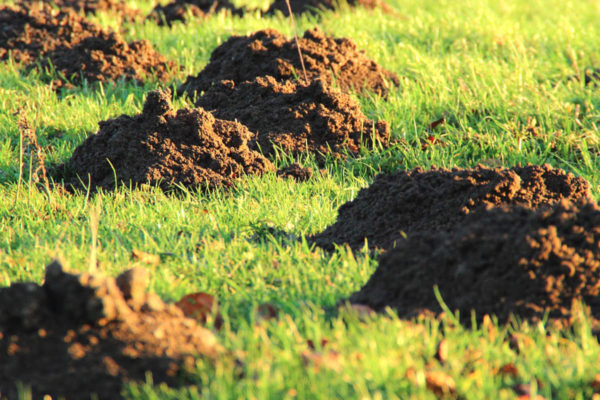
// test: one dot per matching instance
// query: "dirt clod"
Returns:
(296, 171)
(309, 6)
(268, 52)
(296, 117)
(407, 202)
(162, 146)
(89, 6)
(497, 262)
(78, 334)
(178, 10)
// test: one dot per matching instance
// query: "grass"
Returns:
(498, 72)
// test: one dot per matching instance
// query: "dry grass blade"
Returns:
(296, 38)
(30, 147)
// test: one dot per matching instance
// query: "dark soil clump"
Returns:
(509, 260)
(296, 117)
(310, 6)
(268, 52)
(107, 57)
(29, 33)
(81, 334)
(161, 146)
(408, 202)
(178, 10)
(90, 6)
(296, 172)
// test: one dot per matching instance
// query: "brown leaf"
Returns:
(523, 390)
(199, 306)
(440, 383)
(596, 383)
(266, 311)
(430, 140)
(442, 351)
(436, 123)
(311, 344)
(328, 360)
(509, 369)
(145, 258)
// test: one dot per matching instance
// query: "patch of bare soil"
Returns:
(162, 146)
(90, 6)
(295, 171)
(310, 6)
(178, 10)
(408, 202)
(83, 334)
(268, 52)
(107, 57)
(296, 117)
(502, 261)
(29, 33)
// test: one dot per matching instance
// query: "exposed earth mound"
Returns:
(268, 52)
(107, 57)
(500, 261)
(29, 33)
(407, 202)
(161, 146)
(178, 10)
(90, 6)
(304, 6)
(296, 117)
(80, 334)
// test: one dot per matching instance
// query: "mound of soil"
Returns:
(268, 52)
(502, 261)
(90, 6)
(294, 116)
(407, 202)
(107, 57)
(310, 6)
(80, 334)
(30, 32)
(296, 172)
(178, 10)
(160, 146)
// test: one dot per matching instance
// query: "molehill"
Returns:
(178, 10)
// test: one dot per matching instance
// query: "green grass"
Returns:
(489, 68)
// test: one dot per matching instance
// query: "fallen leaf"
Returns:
(596, 383)
(328, 360)
(509, 369)
(523, 391)
(199, 306)
(430, 140)
(311, 344)
(266, 311)
(442, 351)
(436, 123)
(146, 258)
(440, 383)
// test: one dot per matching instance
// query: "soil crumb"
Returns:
(118, 7)
(407, 202)
(310, 6)
(268, 52)
(499, 261)
(81, 334)
(29, 33)
(296, 172)
(162, 146)
(178, 10)
(107, 57)
(296, 117)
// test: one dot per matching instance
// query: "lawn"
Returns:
(506, 77)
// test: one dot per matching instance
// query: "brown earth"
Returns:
(107, 57)
(80, 334)
(90, 6)
(408, 202)
(304, 6)
(502, 261)
(268, 52)
(294, 116)
(295, 171)
(31, 32)
(166, 147)
(178, 10)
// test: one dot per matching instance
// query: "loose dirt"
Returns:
(107, 57)
(166, 147)
(310, 6)
(497, 262)
(178, 10)
(29, 33)
(407, 202)
(90, 6)
(268, 52)
(296, 171)
(80, 334)
(296, 117)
